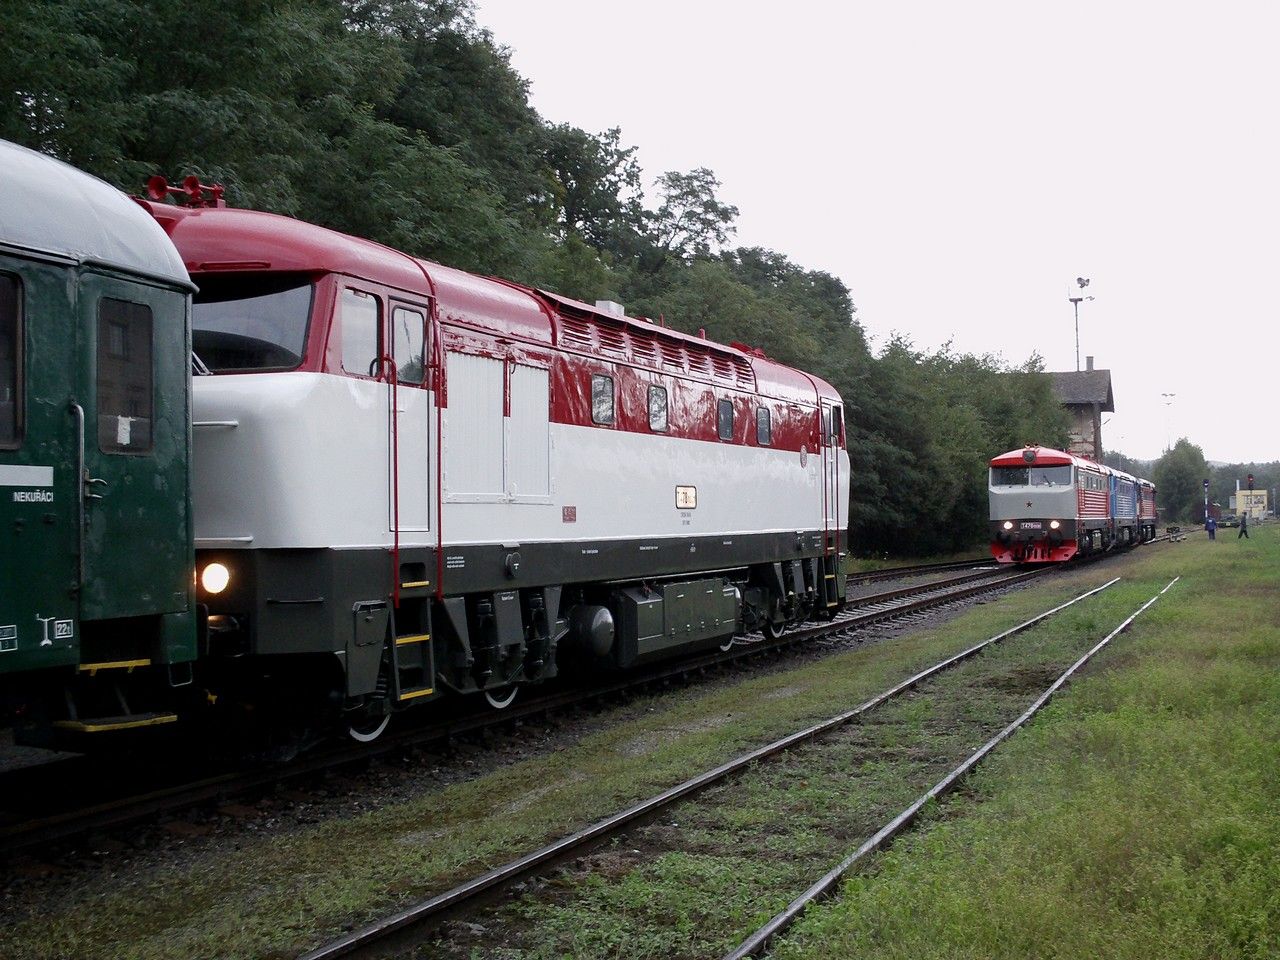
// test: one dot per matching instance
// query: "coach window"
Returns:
(10, 339)
(658, 408)
(408, 328)
(602, 400)
(124, 392)
(764, 428)
(360, 315)
(724, 419)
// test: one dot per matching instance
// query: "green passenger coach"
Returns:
(98, 623)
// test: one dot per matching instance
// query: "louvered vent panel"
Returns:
(611, 339)
(745, 375)
(723, 367)
(644, 349)
(699, 362)
(574, 332)
(672, 355)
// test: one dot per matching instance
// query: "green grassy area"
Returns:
(279, 895)
(1139, 817)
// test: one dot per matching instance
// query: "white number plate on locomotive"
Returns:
(1031, 525)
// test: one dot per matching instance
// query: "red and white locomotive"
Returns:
(409, 479)
(1048, 505)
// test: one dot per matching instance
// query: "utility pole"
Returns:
(1082, 282)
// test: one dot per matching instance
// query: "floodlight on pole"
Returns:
(1081, 282)
(1168, 401)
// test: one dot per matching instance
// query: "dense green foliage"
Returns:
(403, 121)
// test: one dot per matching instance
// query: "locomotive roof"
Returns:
(51, 207)
(216, 238)
(1049, 457)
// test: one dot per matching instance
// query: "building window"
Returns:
(658, 408)
(724, 419)
(10, 361)
(124, 377)
(360, 316)
(602, 399)
(764, 429)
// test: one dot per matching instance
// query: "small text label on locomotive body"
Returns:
(33, 496)
(8, 638)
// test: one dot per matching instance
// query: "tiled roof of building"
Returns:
(1084, 387)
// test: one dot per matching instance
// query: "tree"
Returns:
(1179, 479)
(691, 220)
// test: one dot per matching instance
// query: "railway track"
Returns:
(38, 831)
(403, 928)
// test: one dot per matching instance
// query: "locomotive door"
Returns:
(37, 467)
(408, 441)
(832, 438)
(132, 424)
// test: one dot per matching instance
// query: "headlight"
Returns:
(215, 577)
(1054, 524)
(1008, 524)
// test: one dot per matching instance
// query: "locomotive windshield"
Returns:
(251, 321)
(1059, 476)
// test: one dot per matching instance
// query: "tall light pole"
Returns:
(1075, 303)
(1168, 401)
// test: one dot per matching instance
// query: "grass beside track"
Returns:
(278, 895)
(1138, 817)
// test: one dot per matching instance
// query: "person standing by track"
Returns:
(1244, 525)
(1211, 525)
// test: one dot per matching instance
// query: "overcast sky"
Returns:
(958, 165)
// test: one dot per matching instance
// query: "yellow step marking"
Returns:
(414, 584)
(411, 694)
(413, 638)
(92, 668)
(89, 726)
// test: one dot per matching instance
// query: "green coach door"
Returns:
(137, 557)
(38, 597)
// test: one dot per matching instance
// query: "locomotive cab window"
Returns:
(124, 377)
(837, 425)
(658, 408)
(10, 362)
(602, 399)
(724, 419)
(764, 428)
(1058, 476)
(360, 315)
(251, 322)
(408, 342)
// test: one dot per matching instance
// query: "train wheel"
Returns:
(368, 729)
(501, 698)
(724, 647)
(773, 630)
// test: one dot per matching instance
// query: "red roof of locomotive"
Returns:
(214, 239)
(1041, 456)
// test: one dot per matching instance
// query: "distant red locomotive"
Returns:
(1047, 506)
(409, 479)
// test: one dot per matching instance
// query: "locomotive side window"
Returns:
(360, 315)
(602, 399)
(658, 408)
(764, 427)
(10, 367)
(245, 322)
(724, 419)
(124, 391)
(837, 424)
(408, 327)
